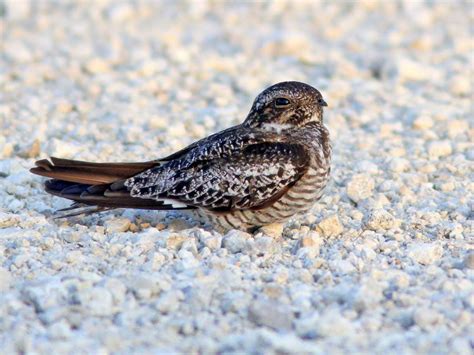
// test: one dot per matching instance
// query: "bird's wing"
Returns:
(250, 175)
(214, 139)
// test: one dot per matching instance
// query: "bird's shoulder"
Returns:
(223, 144)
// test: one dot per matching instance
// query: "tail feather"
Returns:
(80, 209)
(96, 187)
(87, 172)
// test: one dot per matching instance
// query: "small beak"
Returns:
(321, 102)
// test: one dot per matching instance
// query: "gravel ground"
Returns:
(382, 264)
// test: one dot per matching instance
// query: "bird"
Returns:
(272, 166)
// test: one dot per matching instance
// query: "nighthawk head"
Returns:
(286, 105)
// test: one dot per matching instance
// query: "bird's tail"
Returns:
(96, 187)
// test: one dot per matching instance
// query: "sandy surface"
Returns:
(383, 263)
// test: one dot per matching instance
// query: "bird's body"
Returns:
(300, 196)
(265, 170)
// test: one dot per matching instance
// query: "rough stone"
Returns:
(425, 253)
(378, 220)
(117, 225)
(423, 122)
(271, 314)
(469, 261)
(439, 149)
(274, 230)
(360, 187)
(235, 240)
(330, 226)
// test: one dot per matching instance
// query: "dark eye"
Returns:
(281, 102)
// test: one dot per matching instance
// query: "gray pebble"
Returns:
(235, 241)
(360, 187)
(271, 314)
(378, 220)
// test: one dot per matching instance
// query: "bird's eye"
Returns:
(281, 102)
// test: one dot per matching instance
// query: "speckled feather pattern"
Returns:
(272, 166)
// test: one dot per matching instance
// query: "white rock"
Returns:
(367, 253)
(190, 246)
(5, 279)
(378, 220)
(399, 165)
(273, 230)
(117, 288)
(142, 286)
(8, 220)
(120, 12)
(423, 122)
(18, 51)
(367, 167)
(411, 70)
(117, 225)
(425, 253)
(74, 257)
(17, 10)
(234, 241)
(20, 260)
(360, 187)
(468, 261)
(97, 66)
(261, 246)
(212, 241)
(461, 85)
(367, 295)
(61, 148)
(96, 301)
(425, 318)
(271, 314)
(60, 330)
(311, 240)
(342, 266)
(169, 301)
(331, 322)
(330, 226)
(439, 149)
(175, 241)
(457, 127)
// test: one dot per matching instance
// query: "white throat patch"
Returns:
(276, 127)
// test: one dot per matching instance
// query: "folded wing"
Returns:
(250, 178)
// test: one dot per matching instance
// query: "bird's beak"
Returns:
(321, 102)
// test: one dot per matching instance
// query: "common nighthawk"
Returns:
(272, 166)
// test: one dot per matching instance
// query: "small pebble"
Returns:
(360, 187)
(271, 314)
(425, 253)
(468, 261)
(274, 230)
(97, 66)
(330, 226)
(117, 225)
(5, 279)
(423, 123)
(378, 220)
(235, 241)
(439, 149)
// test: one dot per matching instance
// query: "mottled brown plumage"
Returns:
(273, 165)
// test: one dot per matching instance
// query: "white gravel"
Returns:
(383, 264)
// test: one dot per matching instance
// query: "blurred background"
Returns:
(85, 74)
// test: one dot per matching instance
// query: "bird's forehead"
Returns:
(269, 95)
